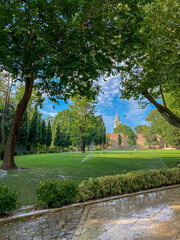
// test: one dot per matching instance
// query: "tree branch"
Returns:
(164, 111)
(162, 95)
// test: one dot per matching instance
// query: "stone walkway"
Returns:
(149, 216)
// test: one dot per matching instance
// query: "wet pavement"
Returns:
(59, 225)
(148, 216)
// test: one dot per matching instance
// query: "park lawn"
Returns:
(69, 165)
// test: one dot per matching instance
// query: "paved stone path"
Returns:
(60, 225)
(153, 216)
(149, 216)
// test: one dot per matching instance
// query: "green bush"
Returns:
(96, 148)
(57, 193)
(127, 183)
(52, 151)
(26, 152)
(8, 200)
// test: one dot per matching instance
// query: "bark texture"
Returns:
(9, 86)
(82, 131)
(83, 144)
(8, 160)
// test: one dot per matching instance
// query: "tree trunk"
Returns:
(21, 149)
(82, 144)
(4, 116)
(2, 136)
(8, 162)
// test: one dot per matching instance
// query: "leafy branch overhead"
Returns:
(152, 68)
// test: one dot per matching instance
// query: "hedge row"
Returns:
(127, 183)
(58, 193)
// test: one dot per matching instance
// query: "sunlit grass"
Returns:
(68, 165)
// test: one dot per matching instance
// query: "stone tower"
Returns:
(117, 120)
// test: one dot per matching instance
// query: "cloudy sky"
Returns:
(108, 104)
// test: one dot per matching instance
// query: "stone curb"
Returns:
(6, 220)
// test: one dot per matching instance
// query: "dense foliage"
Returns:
(127, 132)
(152, 69)
(127, 183)
(168, 133)
(8, 200)
(119, 140)
(59, 48)
(86, 128)
(157, 126)
(57, 193)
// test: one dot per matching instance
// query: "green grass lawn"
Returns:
(69, 165)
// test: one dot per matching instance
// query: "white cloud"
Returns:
(109, 122)
(135, 114)
(110, 88)
(52, 114)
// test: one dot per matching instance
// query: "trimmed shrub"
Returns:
(52, 151)
(26, 152)
(127, 183)
(57, 193)
(8, 200)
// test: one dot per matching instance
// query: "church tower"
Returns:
(117, 120)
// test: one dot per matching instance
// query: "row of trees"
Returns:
(33, 132)
(77, 127)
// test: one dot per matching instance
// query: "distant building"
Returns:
(140, 142)
(117, 120)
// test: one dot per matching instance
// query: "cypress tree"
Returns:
(43, 133)
(39, 132)
(57, 139)
(33, 136)
(119, 140)
(23, 131)
(49, 135)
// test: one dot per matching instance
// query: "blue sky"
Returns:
(108, 104)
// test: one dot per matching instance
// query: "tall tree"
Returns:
(64, 119)
(168, 133)
(49, 135)
(59, 47)
(152, 69)
(39, 130)
(9, 83)
(43, 133)
(97, 134)
(108, 140)
(119, 140)
(127, 132)
(57, 139)
(83, 120)
(151, 137)
(35, 132)
(141, 129)
(23, 132)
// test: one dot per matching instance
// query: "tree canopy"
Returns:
(127, 132)
(152, 68)
(61, 47)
